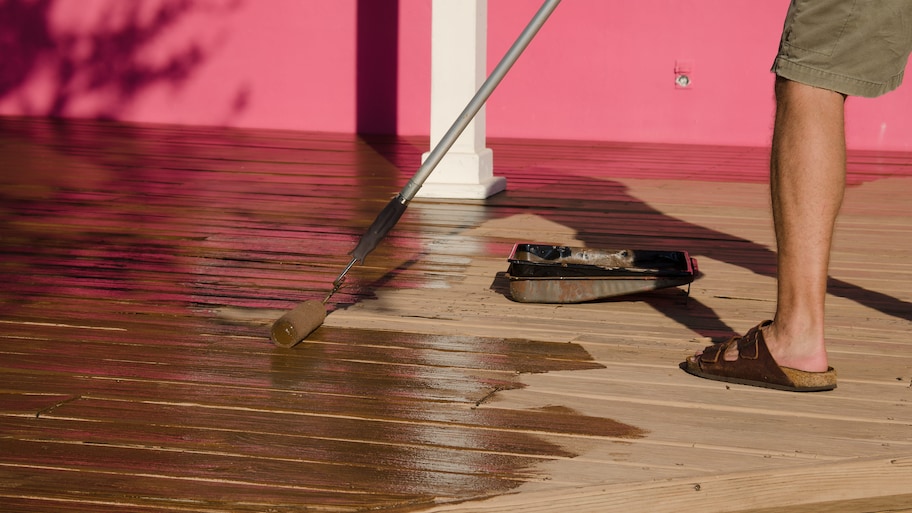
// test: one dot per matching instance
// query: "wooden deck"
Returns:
(142, 266)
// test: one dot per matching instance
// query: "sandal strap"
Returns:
(715, 352)
(749, 345)
(754, 363)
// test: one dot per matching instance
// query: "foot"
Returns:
(804, 351)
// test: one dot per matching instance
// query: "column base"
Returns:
(484, 189)
(463, 175)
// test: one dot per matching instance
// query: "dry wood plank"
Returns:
(798, 485)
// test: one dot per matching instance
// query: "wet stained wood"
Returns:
(142, 266)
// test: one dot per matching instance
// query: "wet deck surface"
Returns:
(142, 267)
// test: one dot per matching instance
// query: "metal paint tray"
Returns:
(543, 273)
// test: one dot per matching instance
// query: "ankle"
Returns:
(797, 345)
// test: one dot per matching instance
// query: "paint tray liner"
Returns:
(544, 273)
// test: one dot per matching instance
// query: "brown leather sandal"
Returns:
(755, 366)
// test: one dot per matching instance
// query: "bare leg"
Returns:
(807, 181)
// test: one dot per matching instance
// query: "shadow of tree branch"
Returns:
(49, 67)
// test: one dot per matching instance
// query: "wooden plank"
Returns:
(56, 488)
(801, 485)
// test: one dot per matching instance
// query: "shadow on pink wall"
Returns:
(377, 66)
(96, 62)
(601, 70)
(109, 59)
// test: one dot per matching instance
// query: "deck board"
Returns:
(143, 264)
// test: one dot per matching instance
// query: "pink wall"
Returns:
(273, 63)
(599, 70)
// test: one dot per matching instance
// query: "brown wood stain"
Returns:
(348, 419)
(120, 387)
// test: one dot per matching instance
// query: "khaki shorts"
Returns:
(854, 47)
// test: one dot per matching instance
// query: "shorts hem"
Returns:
(823, 79)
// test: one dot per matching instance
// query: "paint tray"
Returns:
(543, 273)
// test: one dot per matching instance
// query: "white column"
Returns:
(458, 68)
